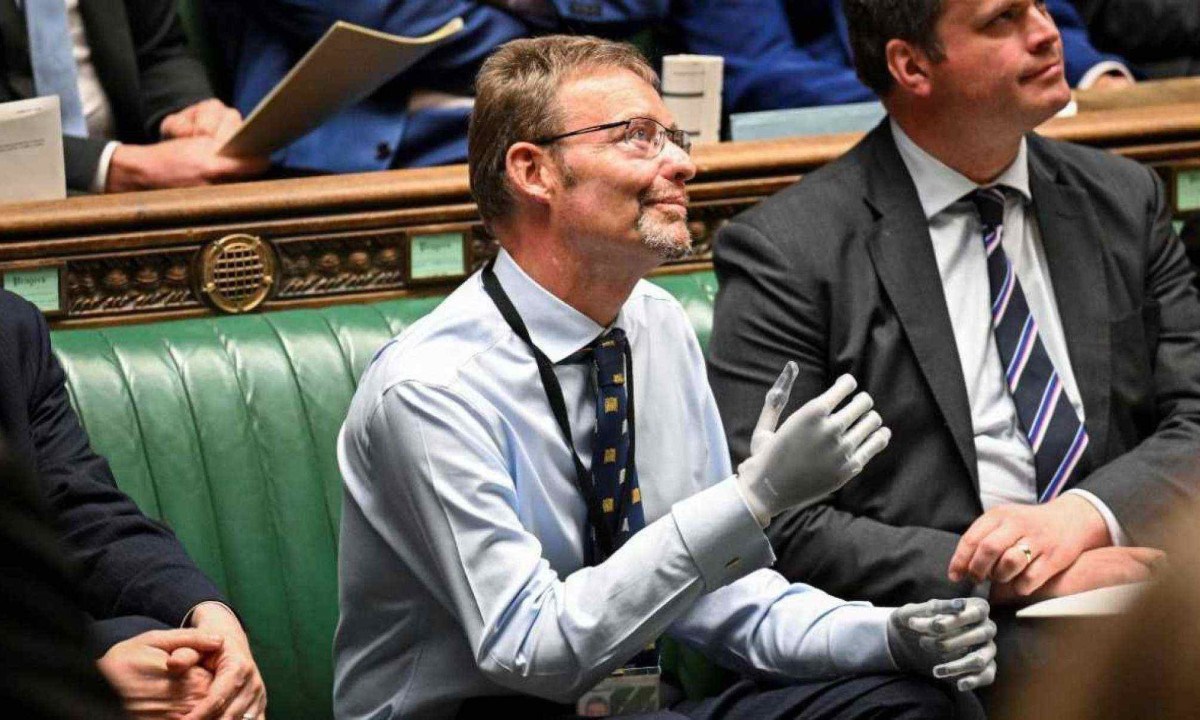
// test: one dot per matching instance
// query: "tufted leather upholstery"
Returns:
(225, 429)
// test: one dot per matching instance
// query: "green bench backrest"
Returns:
(225, 429)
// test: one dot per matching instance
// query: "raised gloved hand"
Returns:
(950, 639)
(815, 452)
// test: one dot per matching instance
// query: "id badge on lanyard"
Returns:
(628, 691)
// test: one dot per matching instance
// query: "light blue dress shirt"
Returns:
(1005, 459)
(461, 562)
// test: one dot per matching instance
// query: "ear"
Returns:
(531, 172)
(910, 67)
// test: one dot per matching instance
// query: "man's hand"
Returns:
(237, 689)
(947, 639)
(1111, 81)
(185, 162)
(815, 452)
(1055, 535)
(156, 673)
(207, 118)
(1102, 567)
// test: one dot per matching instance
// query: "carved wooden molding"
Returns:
(132, 257)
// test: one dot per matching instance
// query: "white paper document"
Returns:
(347, 64)
(1093, 603)
(31, 150)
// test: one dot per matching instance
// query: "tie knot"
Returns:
(609, 354)
(989, 202)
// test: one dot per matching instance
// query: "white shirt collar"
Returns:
(940, 186)
(556, 328)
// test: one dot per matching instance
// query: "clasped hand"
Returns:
(814, 452)
(950, 639)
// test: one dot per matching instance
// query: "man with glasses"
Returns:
(537, 485)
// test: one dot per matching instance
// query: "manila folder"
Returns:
(347, 64)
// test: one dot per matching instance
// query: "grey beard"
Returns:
(662, 240)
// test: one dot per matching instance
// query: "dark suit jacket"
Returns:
(48, 670)
(1144, 30)
(141, 58)
(838, 273)
(131, 565)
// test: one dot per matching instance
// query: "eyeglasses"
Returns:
(646, 135)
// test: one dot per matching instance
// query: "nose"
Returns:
(1042, 31)
(677, 165)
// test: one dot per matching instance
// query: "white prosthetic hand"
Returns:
(950, 639)
(814, 453)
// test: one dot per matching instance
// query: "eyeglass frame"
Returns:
(677, 136)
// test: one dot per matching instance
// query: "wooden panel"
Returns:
(128, 258)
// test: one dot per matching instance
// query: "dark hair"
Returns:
(516, 99)
(872, 23)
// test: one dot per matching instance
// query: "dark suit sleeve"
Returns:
(773, 306)
(1144, 30)
(1163, 471)
(169, 76)
(49, 671)
(82, 157)
(131, 565)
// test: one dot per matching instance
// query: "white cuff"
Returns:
(100, 181)
(721, 534)
(1103, 67)
(187, 619)
(1115, 533)
(860, 639)
(762, 516)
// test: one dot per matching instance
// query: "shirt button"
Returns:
(383, 151)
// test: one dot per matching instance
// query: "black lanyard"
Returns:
(554, 394)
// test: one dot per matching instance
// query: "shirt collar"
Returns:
(939, 186)
(556, 328)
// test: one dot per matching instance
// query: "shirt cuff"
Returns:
(1115, 532)
(100, 181)
(187, 619)
(722, 536)
(858, 639)
(1103, 67)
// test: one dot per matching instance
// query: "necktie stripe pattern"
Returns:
(613, 475)
(1055, 434)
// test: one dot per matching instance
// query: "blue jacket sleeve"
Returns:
(1079, 55)
(303, 22)
(765, 68)
(611, 11)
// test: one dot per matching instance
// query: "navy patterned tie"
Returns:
(614, 476)
(1054, 431)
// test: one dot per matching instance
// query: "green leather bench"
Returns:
(225, 429)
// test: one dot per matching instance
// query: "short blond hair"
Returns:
(516, 100)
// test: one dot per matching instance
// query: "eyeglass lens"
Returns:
(650, 137)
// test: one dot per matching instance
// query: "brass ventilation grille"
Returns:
(236, 273)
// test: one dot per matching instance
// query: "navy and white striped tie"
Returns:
(1055, 434)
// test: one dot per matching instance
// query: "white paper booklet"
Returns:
(1093, 603)
(31, 150)
(347, 64)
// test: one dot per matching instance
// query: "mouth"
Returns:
(674, 203)
(1044, 72)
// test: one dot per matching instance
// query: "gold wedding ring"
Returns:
(1027, 551)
